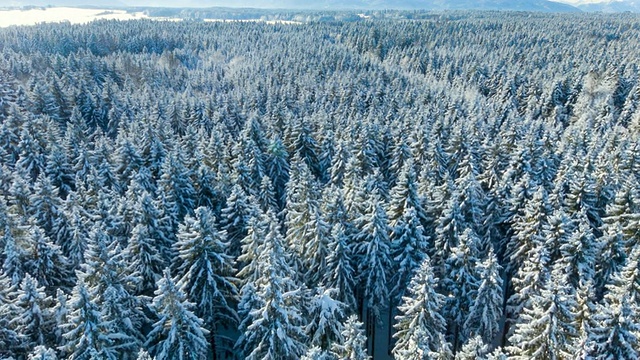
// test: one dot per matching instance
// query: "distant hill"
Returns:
(611, 6)
(70, 3)
(520, 5)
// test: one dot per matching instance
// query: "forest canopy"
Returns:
(468, 181)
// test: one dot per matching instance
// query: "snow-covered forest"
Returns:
(191, 190)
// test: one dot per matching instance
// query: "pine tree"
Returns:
(315, 353)
(144, 355)
(340, 274)
(60, 313)
(528, 281)
(420, 323)
(87, 336)
(45, 261)
(274, 327)
(14, 257)
(450, 224)
(178, 334)
(373, 254)
(235, 217)
(72, 230)
(354, 346)
(34, 322)
(317, 250)
(302, 204)
(461, 284)
(257, 230)
(326, 315)
(205, 272)
(42, 352)
(409, 241)
(143, 259)
(585, 308)
(547, 325)
(616, 319)
(485, 312)
(474, 349)
(578, 253)
(9, 338)
(528, 229)
(45, 204)
(176, 184)
(112, 288)
(619, 224)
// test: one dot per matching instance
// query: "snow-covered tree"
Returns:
(234, 218)
(34, 321)
(325, 318)
(354, 346)
(205, 271)
(485, 312)
(547, 324)
(474, 349)
(178, 333)
(340, 274)
(406, 215)
(420, 322)
(461, 284)
(87, 335)
(143, 258)
(9, 338)
(274, 326)
(42, 352)
(373, 253)
(45, 261)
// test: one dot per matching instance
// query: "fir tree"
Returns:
(178, 334)
(547, 325)
(42, 352)
(9, 338)
(326, 315)
(205, 272)
(274, 330)
(34, 320)
(354, 346)
(485, 312)
(143, 258)
(474, 349)
(420, 323)
(374, 255)
(340, 274)
(461, 284)
(87, 336)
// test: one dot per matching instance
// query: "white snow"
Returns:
(63, 14)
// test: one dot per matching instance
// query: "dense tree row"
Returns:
(182, 190)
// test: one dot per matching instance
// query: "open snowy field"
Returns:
(83, 16)
(63, 14)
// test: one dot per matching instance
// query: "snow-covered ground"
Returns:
(83, 16)
(62, 14)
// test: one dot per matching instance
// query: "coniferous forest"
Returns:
(443, 186)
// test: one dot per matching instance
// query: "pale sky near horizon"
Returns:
(573, 2)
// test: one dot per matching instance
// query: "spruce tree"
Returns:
(485, 312)
(354, 346)
(178, 333)
(420, 322)
(547, 325)
(205, 272)
(326, 315)
(274, 327)
(34, 321)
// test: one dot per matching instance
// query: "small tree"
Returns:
(354, 346)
